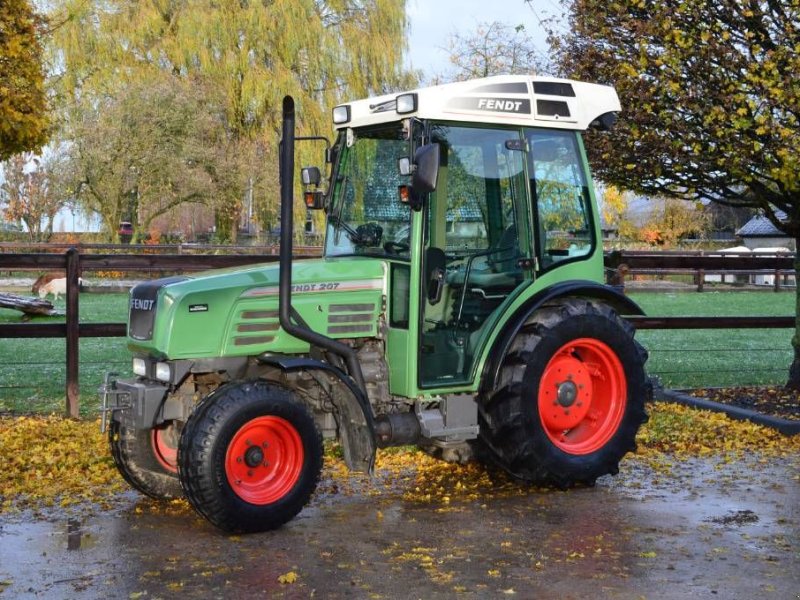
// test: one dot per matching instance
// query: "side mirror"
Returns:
(426, 173)
(310, 176)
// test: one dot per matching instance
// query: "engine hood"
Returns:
(234, 312)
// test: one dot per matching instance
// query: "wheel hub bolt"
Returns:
(567, 393)
(254, 456)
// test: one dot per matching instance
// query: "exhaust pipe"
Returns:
(286, 313)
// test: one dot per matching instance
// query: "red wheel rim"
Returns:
(582, 396)
(165, 447)
(264, 460)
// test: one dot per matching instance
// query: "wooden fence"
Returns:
(75, 263)
(628, 263)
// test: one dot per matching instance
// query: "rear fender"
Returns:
(576, 288)
(356, 420)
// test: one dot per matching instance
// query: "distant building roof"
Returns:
(760, 226)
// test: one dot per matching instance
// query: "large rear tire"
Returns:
(250, 457)
(570, 397)
(147, 458)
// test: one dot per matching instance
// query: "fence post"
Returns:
(73, 290)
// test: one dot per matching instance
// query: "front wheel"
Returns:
(147, 458)
(570, 397)
(250, 457)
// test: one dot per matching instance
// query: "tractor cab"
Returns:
(507, 200)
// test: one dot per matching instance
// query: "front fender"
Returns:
(356, 419)
(580, 288)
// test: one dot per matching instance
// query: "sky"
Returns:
(432, 22)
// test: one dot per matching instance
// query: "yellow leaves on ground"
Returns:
(53, 460)
(680, 430)
(47, 461)
(287, 578)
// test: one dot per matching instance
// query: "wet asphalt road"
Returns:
(703, 530)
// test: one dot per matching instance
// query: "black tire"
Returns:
(577, 357)
(250, 457)
(135, 455)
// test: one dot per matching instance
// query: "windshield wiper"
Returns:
(340, 224)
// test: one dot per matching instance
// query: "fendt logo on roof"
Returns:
(495, 104)
(506, 105)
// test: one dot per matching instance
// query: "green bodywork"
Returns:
(352, 294)
(341, 297)
(234, 312)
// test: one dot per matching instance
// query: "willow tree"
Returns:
(23, 104)
(249, 53)
(711, 97)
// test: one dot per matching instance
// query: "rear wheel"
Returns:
(147, 458)
(250, 457)
(570, 397)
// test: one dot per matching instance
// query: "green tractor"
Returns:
(458, 305)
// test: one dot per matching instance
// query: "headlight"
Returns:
(139, 367)
(163, 372)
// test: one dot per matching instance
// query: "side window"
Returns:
(400, 294)
(561, 197)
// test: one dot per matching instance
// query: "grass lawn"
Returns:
(717, 358)
(32, 370)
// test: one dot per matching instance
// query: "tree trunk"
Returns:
(794, 370)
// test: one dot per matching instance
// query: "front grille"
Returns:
(144, 300)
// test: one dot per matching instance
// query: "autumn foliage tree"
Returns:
(23, 103)
(32, 193)
(711, 97)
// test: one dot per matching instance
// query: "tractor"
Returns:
(458, 305)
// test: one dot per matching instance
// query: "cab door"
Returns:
(476, 246)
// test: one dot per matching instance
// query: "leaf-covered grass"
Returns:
(717, 357)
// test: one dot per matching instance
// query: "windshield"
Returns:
(366, 216)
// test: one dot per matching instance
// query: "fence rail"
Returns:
(626, 263)
(75, 263)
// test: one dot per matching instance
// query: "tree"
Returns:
(32, 193)
(673, 220)
(23, 104)
(249, 53)
(711, 99)
(139, 154)
(493, 49)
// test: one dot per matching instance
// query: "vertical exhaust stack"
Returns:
(285, 311)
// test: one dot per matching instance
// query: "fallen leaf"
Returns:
(287, 578)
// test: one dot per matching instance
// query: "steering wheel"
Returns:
(395, 247)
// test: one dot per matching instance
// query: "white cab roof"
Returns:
(506, 99)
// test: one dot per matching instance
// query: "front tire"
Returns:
(570, 397)
(250, 457)
(147, 458)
